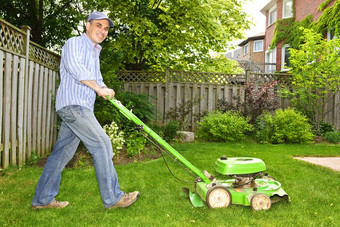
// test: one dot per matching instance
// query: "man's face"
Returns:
(97, 30)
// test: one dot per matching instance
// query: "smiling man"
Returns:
(80, 82)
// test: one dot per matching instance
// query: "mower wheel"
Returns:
(218, 197)
(260, 201)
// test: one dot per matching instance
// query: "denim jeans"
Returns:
(79, 124)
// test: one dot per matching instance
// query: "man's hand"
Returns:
(101, 91)
(104, 91)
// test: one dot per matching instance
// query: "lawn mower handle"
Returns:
(128, 114)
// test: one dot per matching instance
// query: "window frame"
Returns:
(284, 9)
(245, 49)
(254, 45)
(283, 54)
(273, 9)
(270, 57)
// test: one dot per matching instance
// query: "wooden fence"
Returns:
(331, 109)
(172, 89)
(27, 87)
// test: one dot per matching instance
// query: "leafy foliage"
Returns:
(135, 143)
(288, 30)
(259, 97)
(228, 126)
(315, 72)
(326, 127)
(172, 33)
(284, 126)
(170, 130)
(181, 112)
(332, 137)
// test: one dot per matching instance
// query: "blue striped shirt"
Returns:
(79, 61)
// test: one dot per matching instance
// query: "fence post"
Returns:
(167, 90)
(245, 91)
(22, 103)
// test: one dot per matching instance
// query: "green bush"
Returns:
(264, 128)
(135, 143)
(140, 104)
(228, 126)
(170, 130)
(332, 137)
(167, 132)
(285, 126)
(326, 127)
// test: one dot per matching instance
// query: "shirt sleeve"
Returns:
(72, 54)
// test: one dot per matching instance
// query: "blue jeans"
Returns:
(79, 124)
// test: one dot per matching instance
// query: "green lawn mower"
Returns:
(245, 182)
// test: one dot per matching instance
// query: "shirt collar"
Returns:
(90, 42)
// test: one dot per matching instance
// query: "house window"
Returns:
(258, 45)
(272, 15)
(271, 60)
(285, 58)
(245, 49)
(330, 34)
(287, 8)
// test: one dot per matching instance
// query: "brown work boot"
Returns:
(54, 204)
(127, 200)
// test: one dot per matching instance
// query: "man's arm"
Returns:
(101, 91)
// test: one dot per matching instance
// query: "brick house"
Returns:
(250, 55)
(279, 9)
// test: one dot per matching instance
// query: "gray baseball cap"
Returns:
(99, 16)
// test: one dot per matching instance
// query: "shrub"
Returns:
(170, 130)
(142, 107)
(326, 127)
(259, 97)
(116, 136)
(285, 126)
(264, 127)
(228, 126)
(181, 112)
(135, 143)
(332, 137)
(167, 132)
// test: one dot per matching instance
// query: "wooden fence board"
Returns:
(44, 110)
(2, 57)
(7, 109)
(35, 108)
(20, 129)
(39, 110)
(13, 110)
(29, 108)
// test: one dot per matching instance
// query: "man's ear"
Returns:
(87, 25)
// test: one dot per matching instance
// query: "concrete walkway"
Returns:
(330, 162)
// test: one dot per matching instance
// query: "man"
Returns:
(80, 81)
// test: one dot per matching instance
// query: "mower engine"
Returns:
(243, 170)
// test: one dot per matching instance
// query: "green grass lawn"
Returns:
(314, 192)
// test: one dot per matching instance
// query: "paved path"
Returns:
(330, 162)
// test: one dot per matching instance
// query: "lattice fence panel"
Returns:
(141, 76)
(206, 77)
(11, 38)
(43, 56)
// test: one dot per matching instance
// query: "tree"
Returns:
(155, 34)
(52, 22)
(315, 72)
